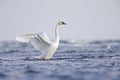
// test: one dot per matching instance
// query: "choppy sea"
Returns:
(73, 60)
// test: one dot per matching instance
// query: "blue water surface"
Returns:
(73, 60)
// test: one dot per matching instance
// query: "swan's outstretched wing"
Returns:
(39, 40)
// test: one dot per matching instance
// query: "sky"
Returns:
(86, 19)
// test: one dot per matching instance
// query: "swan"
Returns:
(41, 42)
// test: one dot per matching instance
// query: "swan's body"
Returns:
(41, 42)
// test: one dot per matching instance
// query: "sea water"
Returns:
(73, 60)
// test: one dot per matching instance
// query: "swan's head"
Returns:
(61, 23)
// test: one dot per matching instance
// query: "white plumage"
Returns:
(41, 42)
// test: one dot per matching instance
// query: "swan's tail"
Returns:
(25, 38)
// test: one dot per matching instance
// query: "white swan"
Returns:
(41, 42)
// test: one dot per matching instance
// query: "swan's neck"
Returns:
(57, 34)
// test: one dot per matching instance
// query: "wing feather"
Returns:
(39, 40)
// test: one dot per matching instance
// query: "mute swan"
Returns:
(41, 42)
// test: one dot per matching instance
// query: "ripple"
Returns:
(72, 61)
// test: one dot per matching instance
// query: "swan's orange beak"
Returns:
(64, 23)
